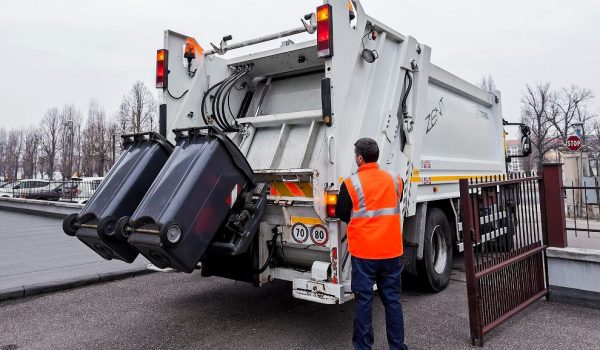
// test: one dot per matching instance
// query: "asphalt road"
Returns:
(181, 311)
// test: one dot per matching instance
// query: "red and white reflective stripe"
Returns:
(232, 198)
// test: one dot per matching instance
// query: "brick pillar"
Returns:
(553, 200)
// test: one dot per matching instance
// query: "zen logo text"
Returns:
(435, 115)
(482, 114)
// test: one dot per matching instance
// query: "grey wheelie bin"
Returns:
(191, 199)
(99, 224)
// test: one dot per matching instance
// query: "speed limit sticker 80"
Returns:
(319, 235)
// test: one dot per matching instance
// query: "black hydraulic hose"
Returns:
(405, 97)
(218, 93)
(215, 102)
(271, 253)
(203, 109)
(215, 113)
(206, 94)
(226, 98)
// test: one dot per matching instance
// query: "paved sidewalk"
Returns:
(583, 239)
(37, 257)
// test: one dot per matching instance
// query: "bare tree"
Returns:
(50, 132)
(3, 152)
(538, 110)
(137, 110)
(98, 142)
(30, 152)
(572, 106)
(487, 83)
(15, 145)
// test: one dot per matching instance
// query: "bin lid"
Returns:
(208, 131)
(150, 136)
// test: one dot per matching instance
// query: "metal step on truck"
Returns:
(263, 141)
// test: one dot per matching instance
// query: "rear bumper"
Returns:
(320, 291)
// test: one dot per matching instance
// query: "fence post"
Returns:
(555, 205)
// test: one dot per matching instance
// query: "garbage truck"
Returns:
(258, 145)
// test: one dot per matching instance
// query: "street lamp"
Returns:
(71, 141)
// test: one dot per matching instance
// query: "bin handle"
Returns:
(329, 142)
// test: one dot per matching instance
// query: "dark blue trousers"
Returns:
(386, 273)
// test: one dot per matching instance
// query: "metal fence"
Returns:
(505, 242)
(581, 212)
(74, 191)
(582, 208)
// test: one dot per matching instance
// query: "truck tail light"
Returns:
(330, 202)
(162, 70)
(324, 31)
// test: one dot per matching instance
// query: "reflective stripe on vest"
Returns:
(362, 211)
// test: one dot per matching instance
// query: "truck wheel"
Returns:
(70, 225)
(435, 267)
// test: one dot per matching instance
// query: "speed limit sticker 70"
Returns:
(319, 235)
(299, 232)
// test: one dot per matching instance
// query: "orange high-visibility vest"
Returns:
(374, 231)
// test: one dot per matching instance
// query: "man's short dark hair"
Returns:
(368, 149)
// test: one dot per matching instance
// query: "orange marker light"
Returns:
(323, 13)
(330, 202)
(331, 198)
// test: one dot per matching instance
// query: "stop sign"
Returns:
(574, 143)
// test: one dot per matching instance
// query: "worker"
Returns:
(369, 202)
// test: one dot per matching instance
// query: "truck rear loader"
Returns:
(263, 141)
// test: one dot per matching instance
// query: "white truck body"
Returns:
(451, 129)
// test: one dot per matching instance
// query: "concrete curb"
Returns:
(58, 210)
(54, 286)
(575, 297)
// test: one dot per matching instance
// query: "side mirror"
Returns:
(526, 140)
(17, 187)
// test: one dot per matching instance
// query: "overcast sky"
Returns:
(57, 52)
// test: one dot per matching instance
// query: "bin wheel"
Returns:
(106, 227)
(168, 239)
(122, 228)
(70, 225)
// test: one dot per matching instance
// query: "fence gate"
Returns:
(504, 229)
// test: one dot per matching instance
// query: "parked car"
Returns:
(39, 189)
(80, 189)
(20, 187)
(6, 189)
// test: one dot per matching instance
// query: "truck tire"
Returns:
(435, 267)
